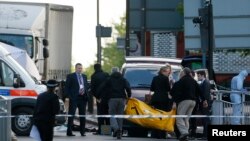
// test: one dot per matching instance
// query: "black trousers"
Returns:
(102, 109)
(90, 103)
(193, 121)
(199, 109)
(46, 130)
(159, 134)
(80, 103)
(206, 120)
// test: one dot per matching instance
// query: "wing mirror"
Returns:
(17, 81)
(45, 42)
(45, 52)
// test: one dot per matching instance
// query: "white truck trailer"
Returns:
(30, 25)
(37, 28)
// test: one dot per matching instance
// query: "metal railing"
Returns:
(222, 110)
(5, 120)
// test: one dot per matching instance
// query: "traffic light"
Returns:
(197, 20)
(203, 18)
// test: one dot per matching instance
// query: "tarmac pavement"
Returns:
(91, 126)
(61, 136)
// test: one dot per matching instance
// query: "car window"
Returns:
(140, 77)
(175, 75)
(7, 75)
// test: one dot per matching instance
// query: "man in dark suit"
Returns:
(206, 102)
(76, 88)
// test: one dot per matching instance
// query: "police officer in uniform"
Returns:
(47, 106)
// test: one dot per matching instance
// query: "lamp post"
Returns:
(99, 48)
(101, 31)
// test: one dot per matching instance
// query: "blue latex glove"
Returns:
(244, 90)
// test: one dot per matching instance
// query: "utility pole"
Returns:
(211, 44)
(127, 38)
(99, 47)
(101, 31)
(205, 20)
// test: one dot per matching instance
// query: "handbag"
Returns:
(34, 133)
(105, 129)
(148, 98)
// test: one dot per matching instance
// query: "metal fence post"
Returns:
(217, 110)
(242, 108)
(5, 119)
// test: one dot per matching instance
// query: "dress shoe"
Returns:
(119, 134)
(96, 133)
(202, 138)
(83, 134)
(70, 134)
(191, 138)
(114, 133)
(183, 137)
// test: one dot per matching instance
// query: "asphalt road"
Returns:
(61, 136)
(91, 125)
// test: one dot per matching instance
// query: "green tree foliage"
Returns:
(112, 57)
(89, 70)
(180, 8)
(121, 27)
(243, 52)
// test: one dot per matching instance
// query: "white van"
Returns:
(19, 86)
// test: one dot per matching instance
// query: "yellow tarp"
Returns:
(137, 107)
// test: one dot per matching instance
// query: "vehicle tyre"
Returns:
(22, 122)
(137, 132)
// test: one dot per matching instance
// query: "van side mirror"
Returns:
(45, 42)
(17, 81)
(45, 52)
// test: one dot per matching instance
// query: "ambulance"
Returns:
(22, 89)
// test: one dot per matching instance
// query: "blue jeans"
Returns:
(237, 108)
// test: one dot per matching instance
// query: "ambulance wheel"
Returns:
(22, 122)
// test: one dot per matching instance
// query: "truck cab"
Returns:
(21, 39)
(17, 85)
(37, 28)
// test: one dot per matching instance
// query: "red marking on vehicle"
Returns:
(23, 93)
